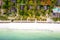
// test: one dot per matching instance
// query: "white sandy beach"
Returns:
(31, 26)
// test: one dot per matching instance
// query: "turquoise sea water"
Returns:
(28, 35)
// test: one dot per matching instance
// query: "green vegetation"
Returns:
(56, 19)
(29, 9)
(3, 18)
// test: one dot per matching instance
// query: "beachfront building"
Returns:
(58, 3)
(56, 10)
(14, 1)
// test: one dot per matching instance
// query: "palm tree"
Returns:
(5, 6)
(38, 2)
(30, 2)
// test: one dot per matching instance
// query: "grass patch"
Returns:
(3, 18)
(56, 19)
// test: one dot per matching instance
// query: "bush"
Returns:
(3, 18)
(55, 19)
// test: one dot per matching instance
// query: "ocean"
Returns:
(10, 34)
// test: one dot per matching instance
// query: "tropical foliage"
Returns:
(27, 10)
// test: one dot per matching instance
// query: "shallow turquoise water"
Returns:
(28, 35)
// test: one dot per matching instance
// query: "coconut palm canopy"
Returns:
(28, 9)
